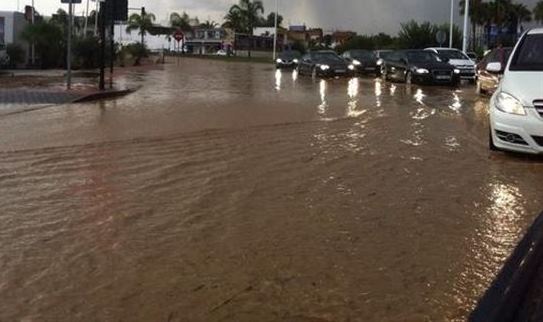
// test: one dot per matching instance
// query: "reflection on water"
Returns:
(419, 96)
(456, 105)
(278, 76)
(378, 91)
(322, 91)
(295, 75)
(393, 90)
(352, 92)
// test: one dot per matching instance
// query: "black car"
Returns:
(288, 59)
(325, 63)
(421, 67)
(364, 61)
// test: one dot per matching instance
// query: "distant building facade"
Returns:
(12, 25)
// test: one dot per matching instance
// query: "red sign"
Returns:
(178, 36)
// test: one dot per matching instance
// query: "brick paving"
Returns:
(17, 96)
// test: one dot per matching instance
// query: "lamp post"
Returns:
(451, 30)
(275, 33)
(466, 17)
(33, 49)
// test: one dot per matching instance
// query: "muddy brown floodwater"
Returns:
(232, 192)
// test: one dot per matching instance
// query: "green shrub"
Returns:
(86, 52)
(16, 54)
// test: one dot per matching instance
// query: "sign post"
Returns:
(69, 42)
(178, 36)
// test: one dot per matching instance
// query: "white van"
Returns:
(459, 60)
(516, 108)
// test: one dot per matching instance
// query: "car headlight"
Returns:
(279, 61)
(296, 61)
(379, 62)
(356, 62)
(324, 67)
(457, 71)
(422, 71)
(509, 104)
(351, 67)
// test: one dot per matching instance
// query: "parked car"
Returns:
(288, 59)
(487, 82)
(325, 63)
(221, 52)
(4, 58)
(516, 108)
(459, 60)
(419, 66)
(364, 61)
(382, 55)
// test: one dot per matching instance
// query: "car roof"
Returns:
(536, 31)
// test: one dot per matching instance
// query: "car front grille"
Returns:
(538, 104)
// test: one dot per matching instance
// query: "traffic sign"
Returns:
(178, 35)
(441, 37)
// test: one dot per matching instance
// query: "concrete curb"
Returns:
(104, 95)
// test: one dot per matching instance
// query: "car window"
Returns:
(363, 54)
(422, 57)
(452, 54)
(529, 55)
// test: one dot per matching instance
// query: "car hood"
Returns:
(525, 86)
(330, 63)
(432, 66)
(461, 62)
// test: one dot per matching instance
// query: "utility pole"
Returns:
(112, 46)
(69, 49)
(466, 17)
(275, 33)
(33, 49)
(142, 26)
(86, 20)
(96, 13)
(102, 85)
(451, 31)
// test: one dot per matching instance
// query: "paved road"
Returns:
(15, 96)
(232, 192)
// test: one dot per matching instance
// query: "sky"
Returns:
(362, 16)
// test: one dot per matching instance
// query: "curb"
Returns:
(104, 95)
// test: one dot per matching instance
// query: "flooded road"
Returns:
(232, 192)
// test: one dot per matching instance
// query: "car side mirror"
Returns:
(494, 68)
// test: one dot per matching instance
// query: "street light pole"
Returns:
(69, 47)
(275, 33)
(466, 17)
(451, 31)
(33, 49)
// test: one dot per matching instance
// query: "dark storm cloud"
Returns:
(365, 16)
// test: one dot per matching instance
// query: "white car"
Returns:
(221, 52)
(516, 108)
(460, 60)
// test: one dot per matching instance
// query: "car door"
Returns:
(396, 67)
(306, 64)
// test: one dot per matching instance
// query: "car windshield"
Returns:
(529, 55)
(290, 54)
(453, 54)
(422, 57)
(385, 54)
(327, 56)
(362, 54)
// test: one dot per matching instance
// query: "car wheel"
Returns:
(409, 78)
(314, 73)
(491, 145)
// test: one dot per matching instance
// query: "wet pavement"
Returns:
(232, 192)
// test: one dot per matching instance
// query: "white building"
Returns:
(11, 26)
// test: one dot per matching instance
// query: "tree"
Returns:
(269, 21)
(250, 14)
(479, 14)
(209, 25)
(414, 35)
(234, 21)
(48, 39)
(538, 12)
(181, 22)
(143, 24)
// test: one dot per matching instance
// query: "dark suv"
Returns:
(364, 61)
(325, 63)
(421, 67)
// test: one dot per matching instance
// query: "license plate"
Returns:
(340, 71)
(370, 68)
(443, 77)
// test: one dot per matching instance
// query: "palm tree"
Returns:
(519, 13)
(538, 12)
(181, 22)
(250, 13)
(478, 16)
(209, 25)
(143, 24)
(234, 21)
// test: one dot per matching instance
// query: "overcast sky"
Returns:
(363, 16)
